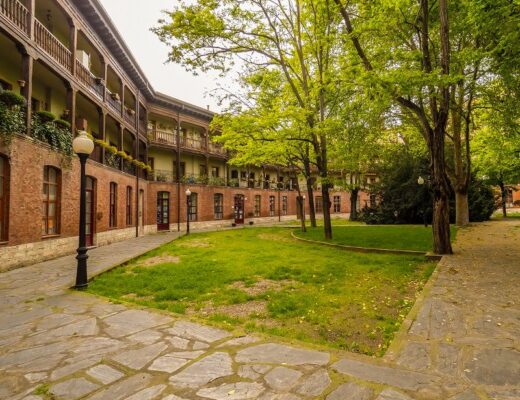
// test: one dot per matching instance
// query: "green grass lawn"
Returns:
(262, 280)
(401, 237)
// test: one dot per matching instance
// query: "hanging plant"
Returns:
(112, 149)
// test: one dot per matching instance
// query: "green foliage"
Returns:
(323, 296)
(47, 131)
(45, 116)
(12, 121)
(11, 99)
(481, 200)
(64, 124)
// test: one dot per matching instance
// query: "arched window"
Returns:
(218, 205)
(192, 212)
(284, 205)
(258, 202)
(129, 205)
(112, 219)
(272, 206)
(51, 201)
(4, 198)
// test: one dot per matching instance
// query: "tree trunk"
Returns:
(353, 204)
(461, 208)
(302, 213)
(503, 195)
(312, 210)
(327, 224)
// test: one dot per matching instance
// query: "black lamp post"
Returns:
(83, 147)
(303, 207)
(188, 205)
(421, 182)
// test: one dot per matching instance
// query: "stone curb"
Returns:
(368, 249)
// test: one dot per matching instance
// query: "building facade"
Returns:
(68, 61)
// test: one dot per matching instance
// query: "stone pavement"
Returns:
(462, 341)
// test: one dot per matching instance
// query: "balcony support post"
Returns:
(121, 143)
(27, 74)
(71, 105)
(31, 7)
(122, 100)
(105, 76)
(102, 131)
(73, 40)
(178, 177)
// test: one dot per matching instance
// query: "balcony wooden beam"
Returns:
(27, 73)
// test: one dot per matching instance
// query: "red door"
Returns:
(89, 212)
(163, 211)
(239, 209)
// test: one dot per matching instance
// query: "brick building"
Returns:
(66, 58)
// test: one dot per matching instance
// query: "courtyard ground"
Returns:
(460, 342)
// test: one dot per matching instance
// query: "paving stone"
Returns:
(282, 379)
(278, 396)
(448, 359)
(173, 397)
(132, 321)
(73, 388)
(505, 394)
(315, 384)
(105, 374)
(98, 345)
(188, 355)
(34, 377)
(146, 337)
(277, 353)
(137, 359)
(178, 343)
(390, 376)
(233, 391)
(124, 388)
(33, 397)
(240, 341)
(168, 363)
(190, 330)
(494, 367)
(73, 367)
(415, 356)
(148, 393)
(351, 391)
(200, 346)
(208, 369)
(30, 354)
(467, 395)
(389, 394)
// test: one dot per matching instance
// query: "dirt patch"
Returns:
(162, 259)
(262, 286)
(242, 310)
(195, 243)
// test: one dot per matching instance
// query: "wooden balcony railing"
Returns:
(89, 80)
(216, 148)
(50, 44)
(142, 126)
(113, 103)
(162, 136)
(193, 143)
(159, 175)
(17, 13)
(130, 118)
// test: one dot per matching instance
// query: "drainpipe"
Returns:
(178, 170)
(137, 168)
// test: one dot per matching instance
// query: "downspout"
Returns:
(137, 168)
(178, 170)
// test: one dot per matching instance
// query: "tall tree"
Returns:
(296, 37)
(404, 49)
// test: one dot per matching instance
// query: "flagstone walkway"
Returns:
(462, 341)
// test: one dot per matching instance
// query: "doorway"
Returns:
(163, 211)
(90, 211)
(140, 221)
(239, 209)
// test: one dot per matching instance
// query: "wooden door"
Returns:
(163, 211)
(239, 209)
(90, 211)
(140, 212)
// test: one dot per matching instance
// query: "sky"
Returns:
(133, 19)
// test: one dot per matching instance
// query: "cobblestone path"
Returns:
(461, 341)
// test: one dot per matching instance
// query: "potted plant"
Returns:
(115, 96)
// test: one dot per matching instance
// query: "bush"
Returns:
(45, 116)
(481, 201)
(62, 124)
(12, 120)
(51, 133)
(11, 99)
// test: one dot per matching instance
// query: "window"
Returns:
(337, 204)
(284, 205)
(319, 204)
(243, 175)
(112, 219)
(215, 172)
(272, 206)
(192, 212)
(129, 205)
(218, 205)
(51, 201)
(258, 202)
(203, 170)
(234, 174)
(4, 196)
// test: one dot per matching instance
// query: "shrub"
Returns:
(12, 120)
(47, 131)
(61, 123)
(45, 116)
(481, 201)
(11, 99)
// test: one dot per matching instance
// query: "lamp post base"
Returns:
(81, 272)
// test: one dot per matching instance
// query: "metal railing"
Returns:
(216, 148)
(51, 45)
(159, 175)
(89, 80)
(115, 104)
(17, 13)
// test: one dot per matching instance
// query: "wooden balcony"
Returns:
(159, 136)
(193, 143)
(51, 45)
(114, 103)
(91, 82)
(217, 148)
(159, 175)
(130, 118)
(17, 13)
